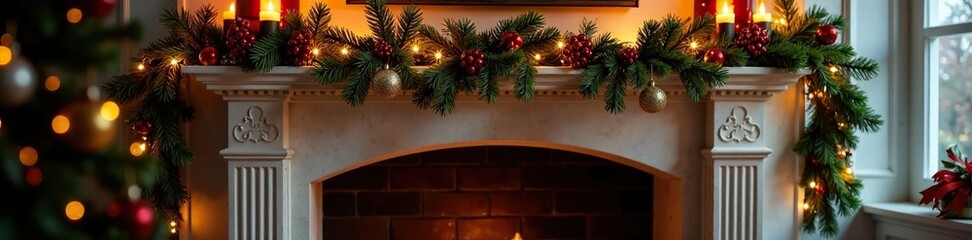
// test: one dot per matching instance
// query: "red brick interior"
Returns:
(489, 193)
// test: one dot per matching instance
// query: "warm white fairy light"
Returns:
(806, 206)
(140, 67)
(415, 48)
(813, 184)
(174, 62)
(694, 45)
(438, 55)
(316, 51)
(833, 69)
(344, 51)
(560, 44)
(536, 57)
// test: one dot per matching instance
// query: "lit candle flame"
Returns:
(270, 6)
(762, 8)
(725, 7)
(232, 7)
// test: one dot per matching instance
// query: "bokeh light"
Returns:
(60, 124)
(28, 156)
(5, 55)
(74, 15)
(52, 83)
(74, 210)
(137, 148)
(34, 176)
(109, 110)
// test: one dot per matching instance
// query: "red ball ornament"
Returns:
(135, 216)
(577, 52)
(827, 34)
(97, 8)
(511, 40)
(208, 56)
(382, 49)
(714, 56)
(142, 127)
(472, 60)
(628, 55)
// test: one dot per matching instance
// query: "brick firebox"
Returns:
(489, 192)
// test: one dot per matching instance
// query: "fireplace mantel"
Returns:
(271, 183)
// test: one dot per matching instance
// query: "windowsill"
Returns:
(921, 216)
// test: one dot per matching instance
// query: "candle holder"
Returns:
(725, 30)
(268, 27)
(767, 26)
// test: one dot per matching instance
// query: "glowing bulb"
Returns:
(833, 69)
(74, 15)
(694, 45)
(316, 51)
(74, 210)
(438, 55)
(560, 44)
(174, 62)
(813, 184)
(840, 125)
(415, 48)
(344, 51)
(5, 55)
(28, 156)
(849, 170)
(783, 22)
(173, 230)
(536, 57)
(109, 111)
(810, 96)
(34, 176)
(52, 83)
(172, 223)
(806, 206)
(137, 148)
(140, 67)
(60, 124)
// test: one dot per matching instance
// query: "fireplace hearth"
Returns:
(302, 164)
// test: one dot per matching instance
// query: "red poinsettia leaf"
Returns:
(951, 154)
(930, 194)
(945, 176)
(959, 201)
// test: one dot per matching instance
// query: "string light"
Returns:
(840, 125)
(694, 45)
(849, 170)
(52, 83)
(60, 124)
(833, 69)
(415, 48)
(174, 62)
(806, 206)
(438, 55)
(140, 67)
(5, 55)
(74, 210)
(172, 223)
(172, 227)
(28, 156)
(813, 184)
(137, 148)
(74, 15)
(560, 44)
(536, 57)
(110, 111)
(344, 51)
(316, 51)
(1, 123)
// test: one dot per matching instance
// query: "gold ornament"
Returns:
(90, 130)
(653, 98)
(386, 82)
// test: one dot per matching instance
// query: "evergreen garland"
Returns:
(358, 66)
(446, 79)
(837, 107)
(269, 51)
(154, 95)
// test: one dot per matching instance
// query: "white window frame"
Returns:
(926, 156)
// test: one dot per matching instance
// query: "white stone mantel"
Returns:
(272, 186)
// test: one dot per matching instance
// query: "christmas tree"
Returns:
(68, 172)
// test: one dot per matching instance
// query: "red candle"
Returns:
(249, 10)
(703, 7)
(744, 12)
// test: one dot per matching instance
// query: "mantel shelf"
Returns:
(756, 82)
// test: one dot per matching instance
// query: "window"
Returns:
(946, 50)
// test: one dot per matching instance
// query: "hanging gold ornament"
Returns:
(17, 78)
(653, 98)
(86, 126)
(386, 83)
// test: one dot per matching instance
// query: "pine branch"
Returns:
(343, 37)
(617, 88)
(591, 81)
(360, 81)
(638, 75)
(525, 80)
(331, 70)
(588, 27)
(488, 86)
(125, 88)
(318, 19)
(541, 40)
(267, 52)
(408, 24)
(860, 68)
(380, 20)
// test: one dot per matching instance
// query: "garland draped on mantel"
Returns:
(463, 59)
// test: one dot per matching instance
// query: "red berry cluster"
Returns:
(239, 39)
(472, 60)
(753, 39)
(578, 51)
(382, 49)
(511, 40)
(629, 55)
(299, 48)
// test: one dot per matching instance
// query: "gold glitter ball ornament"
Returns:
(386, 83)
(652, 99)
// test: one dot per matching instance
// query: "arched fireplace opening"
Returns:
(493, 192)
